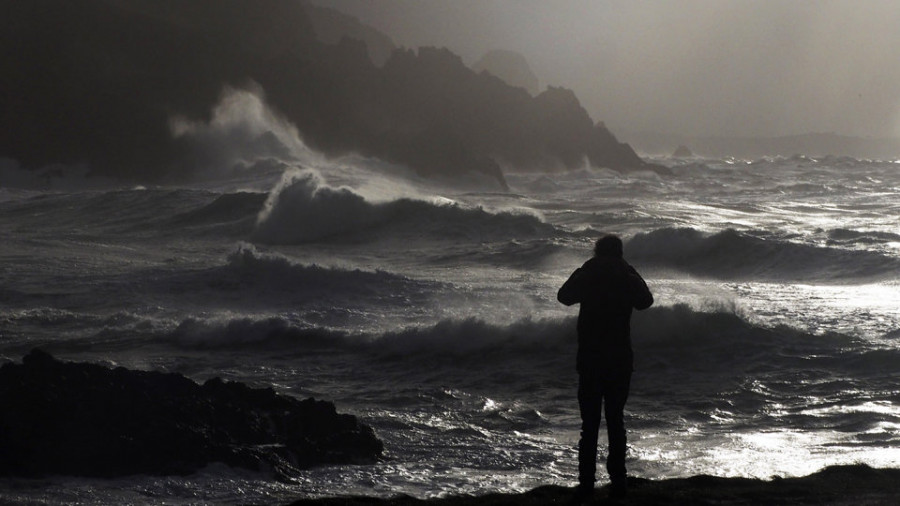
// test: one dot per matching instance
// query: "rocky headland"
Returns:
(98, 82)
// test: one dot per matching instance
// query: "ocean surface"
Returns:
(429, 310)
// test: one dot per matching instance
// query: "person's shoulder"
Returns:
(593, 264)
(606, 267)
(606, 263)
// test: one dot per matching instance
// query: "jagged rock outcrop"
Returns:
(331, 26)
(432, 98)
(510, 66)
(88, 420)
(98, 82)
(682, 151)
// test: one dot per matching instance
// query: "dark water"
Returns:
(430, 312)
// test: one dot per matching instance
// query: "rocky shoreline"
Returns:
(832, 486)
(78, 419)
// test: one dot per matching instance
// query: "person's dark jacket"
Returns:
(608, 288)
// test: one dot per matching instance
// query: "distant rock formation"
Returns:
(98, 82)
(88, 420)
(437, 114)
(816, 145)
(510, 66)
(682, 151)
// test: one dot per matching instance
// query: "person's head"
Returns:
(608, 246)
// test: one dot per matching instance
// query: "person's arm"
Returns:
(572, 292)
(641, 298)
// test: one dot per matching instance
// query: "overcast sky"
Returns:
(695, 67)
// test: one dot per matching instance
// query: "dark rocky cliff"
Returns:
(97, 82)
(330, 26)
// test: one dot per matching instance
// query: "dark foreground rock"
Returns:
(833, 486)
(88, 420)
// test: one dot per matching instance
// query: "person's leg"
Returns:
(615, 395)
(590, 402)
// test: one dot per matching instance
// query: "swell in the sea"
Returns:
(249, 280)
(302, 209)
(736, 254)
(663, 335)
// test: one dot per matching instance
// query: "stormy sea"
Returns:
(430, 312)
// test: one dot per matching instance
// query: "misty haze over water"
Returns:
(695, 68)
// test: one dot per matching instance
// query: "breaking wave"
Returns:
(665, 337)
(446, 339)
(246, 265)
(303, 209)
(734, 254)
(239, 332)
(226, 208)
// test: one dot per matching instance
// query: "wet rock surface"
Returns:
(88, 420)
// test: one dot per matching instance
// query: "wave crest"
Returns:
(249, 268)
(242, 332)
(843, 236)
(663, 337)
(303, 209)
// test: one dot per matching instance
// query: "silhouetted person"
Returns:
(607, 289)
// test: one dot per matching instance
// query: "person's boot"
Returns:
(618, 489)
(584, 495)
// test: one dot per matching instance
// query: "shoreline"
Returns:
(844, 485)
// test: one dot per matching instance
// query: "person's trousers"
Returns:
(594, 390)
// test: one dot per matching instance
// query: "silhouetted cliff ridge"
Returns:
(510, 66)
(330, 26)
(98, 81)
